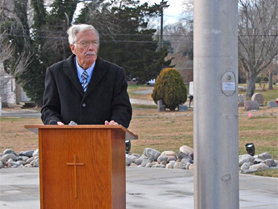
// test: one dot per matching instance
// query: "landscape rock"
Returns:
(270, 162)
(182, 155)
(191, 167)
(246, 159)
(179, 165)
(149, 165)
(171, 158)
(26, 153)
(36, 153)
(144, 162)
(248, 171)
(245, 166)
(128, 160)
(21, 162)
(258, 160)
(158, 166)
(152, 154)
(186, 160)
(139, 160)
(162, 159)
(170, 165)
(15, 164)
(23, 158)
(10, 151)
(186, 150)
(28, 161)
(133, 165)
(151, 158)
(170, 154)
(187, 165)
(35, 162)
(6, 157)
(265, 156)
(135, 156)
(259, 167)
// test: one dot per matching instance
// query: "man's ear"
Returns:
(72, 47)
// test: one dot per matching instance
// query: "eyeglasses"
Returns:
(87, 43)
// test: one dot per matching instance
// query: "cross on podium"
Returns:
(75, 164)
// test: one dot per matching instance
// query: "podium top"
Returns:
(35, 128)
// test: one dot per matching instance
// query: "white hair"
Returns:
(75, 29)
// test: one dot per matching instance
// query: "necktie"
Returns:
(84, 77)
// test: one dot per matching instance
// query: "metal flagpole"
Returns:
(216, 175)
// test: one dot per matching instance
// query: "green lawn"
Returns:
(269, 95)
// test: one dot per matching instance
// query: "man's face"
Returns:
(86, 48)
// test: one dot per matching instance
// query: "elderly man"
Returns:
(85, 88)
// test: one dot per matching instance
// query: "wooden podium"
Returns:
(82, 166)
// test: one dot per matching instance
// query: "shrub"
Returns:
(261, 77)
(170, 88)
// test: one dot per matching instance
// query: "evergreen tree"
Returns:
(125, 38)
(41, 41)
(47, 42)
(170, 88)
(32, 78)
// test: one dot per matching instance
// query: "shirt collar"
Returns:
(80, 70)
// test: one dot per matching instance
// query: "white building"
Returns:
(11, 93)
(7, 88)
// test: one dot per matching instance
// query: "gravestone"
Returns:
(251, 105)
(259, 98)
(241, 100)
(0, 106)
(183, 108)
(161, 106)
(272, 104)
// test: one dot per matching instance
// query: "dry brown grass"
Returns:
(160, 130)
(15, 136)
(170, 130)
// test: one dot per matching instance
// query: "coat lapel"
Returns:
(99, 72)
(70, 70)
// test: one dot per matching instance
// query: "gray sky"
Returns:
(172, 13)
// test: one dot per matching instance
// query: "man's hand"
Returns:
(112, 122)
(60, 123)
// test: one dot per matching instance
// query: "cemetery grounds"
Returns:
(165, 130)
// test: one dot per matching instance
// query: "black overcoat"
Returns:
(106, 97)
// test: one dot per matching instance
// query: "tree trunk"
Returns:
(270, 82)
(251, 84)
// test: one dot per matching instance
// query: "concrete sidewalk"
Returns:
(146, 188)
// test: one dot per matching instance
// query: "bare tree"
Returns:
(271, 70)
(5, 54)
(6, 50)
(181, 38)
(258, 37)
(180, 34)
(22, 59)
(5, 46)
(9, 25)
